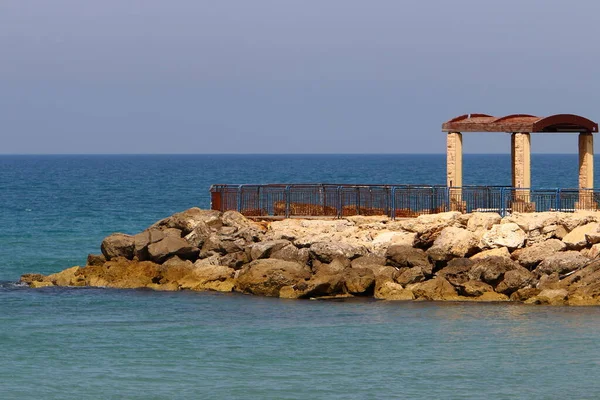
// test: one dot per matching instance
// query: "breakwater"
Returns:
(538, 258)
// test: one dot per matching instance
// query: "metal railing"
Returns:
(395, 201)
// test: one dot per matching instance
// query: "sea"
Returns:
(98, 343)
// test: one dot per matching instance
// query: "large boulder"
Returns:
(291, 253)
(189, 219)
(456, 271)
(428, 227)
(118, 245)
(491, 269)
(530, 257)
(577, 239)
(208, 277)
(359, 281)
(474, 288)
(327, 251)
(383, 240)
(572, 220)
(318, 286)
(453, 242)
(120, 273)
(483, 221)
(67, 277)
(388, 290)
(434, 289)
(266, 248)
(553, 297)
(142, 240)
(266, 277)
(368, 260)
(533, 221)
(508, 235)
(171, 246)
(401, 256)
(497, 252)
(514, 280)
(561, 263)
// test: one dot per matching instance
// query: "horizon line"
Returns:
(262, 154)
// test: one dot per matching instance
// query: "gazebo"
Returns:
(521, 126)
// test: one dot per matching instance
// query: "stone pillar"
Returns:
(586, 172)
(521, 171)
(454, 170)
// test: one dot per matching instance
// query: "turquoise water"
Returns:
(66, 343)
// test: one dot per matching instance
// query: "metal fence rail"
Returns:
(340, 200)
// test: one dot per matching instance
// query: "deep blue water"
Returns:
(100, 343)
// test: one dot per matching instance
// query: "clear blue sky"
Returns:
(287, 76)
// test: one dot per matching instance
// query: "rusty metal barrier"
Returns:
(395, 201)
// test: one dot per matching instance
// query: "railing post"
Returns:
(287, 201)
(502, 202)
(557, 200)
(393, 203)
(239, 199)
(339, 205)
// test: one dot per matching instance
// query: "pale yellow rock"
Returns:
(576, 239)
(392, 291)
(497, 252)
(65, 278)
(485, 221)
(38, 284)
(503, 235)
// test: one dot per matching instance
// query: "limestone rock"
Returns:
(326, 251)
(117, 245)
(572, 220)
(533, 221)
(265, 277)
(187, 220)
(577, 238)
(198, 235)
(67, 277)
(453, 242)
(550, 296)
(483, 221)
(514, 280)
(405, 256)
(428, 227)
(359, 281)
(291, 253)
(457, 271)
(524, 294)
(475, 288)
(171, 246)
(142, 240)
(264, 249)
(30, 278)
(318, 286)
(336, 266)
(209, 277)
(120, 273)
(497, 252)
(530, 257)
(503, 235)
(40, 284)
(406, 276)
(368, 260)
(561, 263)
(434, 289)
(95, 259)
(491, 269)
(382, 241)
(392, 291)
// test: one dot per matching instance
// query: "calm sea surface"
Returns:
(65, 343)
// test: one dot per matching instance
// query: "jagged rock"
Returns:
(456, 271)
(264, 249)
(187, 220)
(217, 244)
(491, 269)
(388, 290)
(530, 257)
(336, 266)
(550, 297)
(428, 227)
(453, 242)
(483, 221)
(199, 234)
(327, 251)
(236, 220)
(503, 235)
(533, 221)
(208, 277)
(368, 260)
(554, 231)
(577, 238)
(406, 276)
(384, 240)
(561, 263)
(29, 279)
(117, 245)
(291, 253)
(474, 288)
(40, 284)
(171, 246)
(593, 237)
(407, 257)
(265, 277)
(551, 281)
(434, 289)
(524, 294)
(235, 260)
(142, 240)
(120, 273)
(359, 281)
(497, 252)
(317, 286)
(95, 259)
(67, 277)
(572, 220)
(514, 280)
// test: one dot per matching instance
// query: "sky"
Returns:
(288, 76)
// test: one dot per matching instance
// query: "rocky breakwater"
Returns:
(537, 258)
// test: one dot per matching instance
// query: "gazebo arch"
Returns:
(520, 126)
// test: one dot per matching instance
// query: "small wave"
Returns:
(12, 285)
